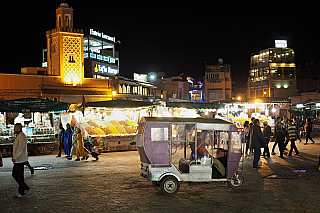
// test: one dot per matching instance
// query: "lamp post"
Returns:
(114, 93)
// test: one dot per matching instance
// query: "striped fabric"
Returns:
(292, 132)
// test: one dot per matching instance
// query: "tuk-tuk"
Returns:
(189, 149)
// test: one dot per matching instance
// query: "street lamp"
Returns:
(114, 93)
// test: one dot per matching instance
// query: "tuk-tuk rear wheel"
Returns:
(156, 185)
(169, 185)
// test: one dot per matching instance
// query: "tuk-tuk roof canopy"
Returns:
(27, 105)
(186, 120)
(201, 123)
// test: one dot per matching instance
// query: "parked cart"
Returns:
(173, 150)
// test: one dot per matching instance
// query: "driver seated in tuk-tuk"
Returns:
(203, 152)
(201, 149)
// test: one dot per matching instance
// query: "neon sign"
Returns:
(105, 69)
(102, 35)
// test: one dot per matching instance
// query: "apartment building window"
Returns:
(215, 94)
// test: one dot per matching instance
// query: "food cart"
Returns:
(112, 123)
(39, 119)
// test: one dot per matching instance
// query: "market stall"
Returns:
(238, 113)
(39, 118)
(112, 123)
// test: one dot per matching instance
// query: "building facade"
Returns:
(174, 88)
(218, 82)
(67, 58)
(272, 74)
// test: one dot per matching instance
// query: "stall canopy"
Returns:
(26, 105)
(120, 104)
(194, 105)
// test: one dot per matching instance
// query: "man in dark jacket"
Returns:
(280, 138)
(256, 142)
(276, 128)
(266, 135)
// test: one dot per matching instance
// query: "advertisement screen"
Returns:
(281, 43)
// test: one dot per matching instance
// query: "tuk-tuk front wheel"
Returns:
(169, 185)
(236, 181)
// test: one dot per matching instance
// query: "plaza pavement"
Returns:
(113, 184)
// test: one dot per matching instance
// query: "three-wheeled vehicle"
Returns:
(173, 150)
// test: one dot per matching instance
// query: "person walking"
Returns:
(60, 139)
(285, 126)
(257, 141)
(276, 128)
(267, 135)
(292, 131)
(246, 130)
(19, 157)
(67, 140)
(74, 143)
(280, 138)
(80, 147)
(297, 124)
(250, 131)
(308, 130)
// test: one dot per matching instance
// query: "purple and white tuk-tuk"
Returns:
(189, 149)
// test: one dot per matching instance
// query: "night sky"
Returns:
(167, 36)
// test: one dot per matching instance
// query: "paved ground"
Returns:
(113, 184)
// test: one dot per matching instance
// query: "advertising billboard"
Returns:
(281, 43)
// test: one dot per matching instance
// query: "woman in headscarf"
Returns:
(68, 140)
(80, 147)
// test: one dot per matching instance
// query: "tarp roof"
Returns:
(26, 105)
(119, 104)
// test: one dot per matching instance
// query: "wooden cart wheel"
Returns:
(45, 149)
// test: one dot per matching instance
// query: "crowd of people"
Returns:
(71, 142)
(285, 131)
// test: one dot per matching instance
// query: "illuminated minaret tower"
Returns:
(65, 48)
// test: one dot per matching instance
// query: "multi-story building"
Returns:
(75, 66)
(272, 74)
(195, 89)
(218, 84)
(174, 87)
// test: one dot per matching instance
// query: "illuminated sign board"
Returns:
(140, 77)
(101, 68)
(281, 43)
(102, 35)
